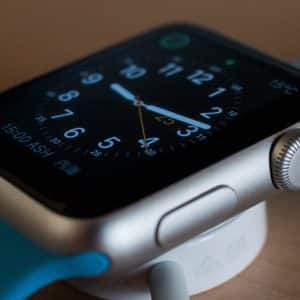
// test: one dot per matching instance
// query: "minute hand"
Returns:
(178, 117)
(129, 96)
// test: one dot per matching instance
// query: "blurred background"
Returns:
(37, 36)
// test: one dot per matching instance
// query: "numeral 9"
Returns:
(92, 79)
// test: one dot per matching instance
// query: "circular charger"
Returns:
(208, 260)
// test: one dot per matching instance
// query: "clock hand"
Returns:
(127, 95)
(119, 89)
(138, 103)
(177, 117)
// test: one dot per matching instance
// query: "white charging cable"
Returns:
(167, 282)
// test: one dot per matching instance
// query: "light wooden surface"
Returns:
(36, 36)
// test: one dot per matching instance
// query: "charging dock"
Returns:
(208, 260)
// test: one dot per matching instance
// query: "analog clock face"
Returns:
(137, 108)
(140, 116)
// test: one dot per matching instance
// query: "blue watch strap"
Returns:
(25, 267)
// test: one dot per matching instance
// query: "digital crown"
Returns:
(285, 161)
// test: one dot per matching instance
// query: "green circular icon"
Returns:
(175, 41)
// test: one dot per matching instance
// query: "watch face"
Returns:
(119, 125)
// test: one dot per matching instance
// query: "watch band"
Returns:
(25, 267)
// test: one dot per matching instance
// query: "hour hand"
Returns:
(123, 92)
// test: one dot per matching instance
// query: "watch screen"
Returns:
(104, 132)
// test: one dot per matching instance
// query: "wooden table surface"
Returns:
(36, 36)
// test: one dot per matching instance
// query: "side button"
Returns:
(196, 216)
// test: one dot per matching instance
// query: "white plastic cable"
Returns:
(167, 282)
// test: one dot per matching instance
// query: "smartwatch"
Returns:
(113, 160)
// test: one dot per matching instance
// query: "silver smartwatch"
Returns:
(137, 148)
